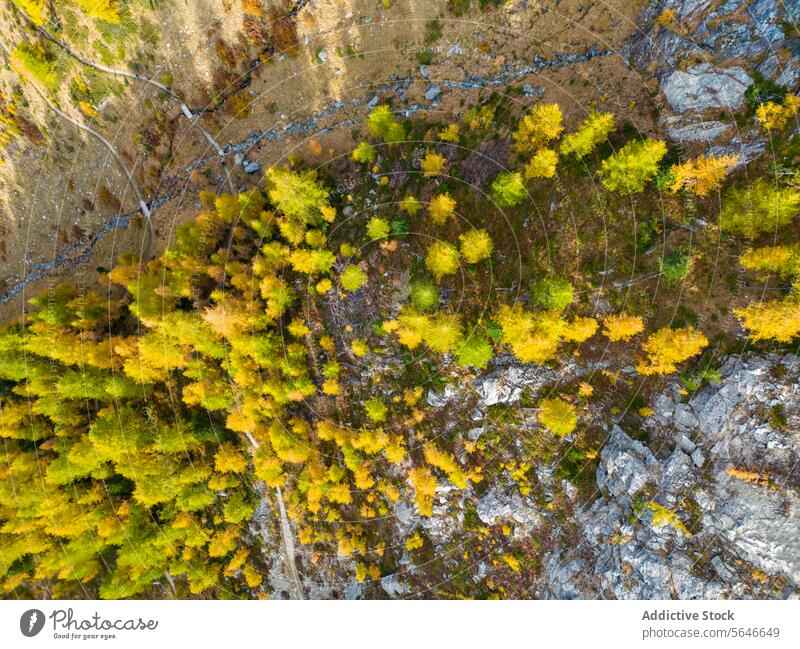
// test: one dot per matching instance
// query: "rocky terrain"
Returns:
(728, 465)
(707, 509)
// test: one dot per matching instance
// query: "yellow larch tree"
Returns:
(703, 174)
(622, 326)
(538, 127)
(667, 347)
(776, 320)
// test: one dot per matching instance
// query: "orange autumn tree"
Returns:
(703, 174)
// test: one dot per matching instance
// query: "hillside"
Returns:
(399, 299)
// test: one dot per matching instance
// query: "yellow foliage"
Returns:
(542, 164)
(752, 477)
(359, 347)
(782, 260)
(476, 245)
(442, 259)
(777, 320)
(330, 387)
(252, 8)
(622, 326)
(340, 494)
(533, 337)
(229, 318)
(298, 328)
(395, 450)
(512, 562)
(663, 516)
(441, 208)
(446, 462)
(223, 542)
(35, 9)
(538, 127)
(593, 131)
(424, 485)
(106, 10)
(580, 329)
(667, 347)
(228, 459)
(774, 116)
(449, 133)
(432, 164)
(703, 174)
(252, 577)
(558, 416)
(414, 542)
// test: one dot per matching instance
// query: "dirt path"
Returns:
(288, 547)
(287, 540)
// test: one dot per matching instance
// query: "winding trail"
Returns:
(143, 206)
(187, 112)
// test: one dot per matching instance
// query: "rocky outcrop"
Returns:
(702, 87)
(706, 54)
(712, 512)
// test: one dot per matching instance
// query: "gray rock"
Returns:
(498, 505)
(725, 573)
(433, 92)
(454, 51)
(695, 131)
(789, 74)
(745, 148)
(620, 553)
(687, 445)
(424, 71)
(251, 167)
(684, 418)
(704, 86)
(438, 400)
(762, 525)
(393, 587)
(626, 465)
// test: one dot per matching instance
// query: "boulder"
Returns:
(704, 86)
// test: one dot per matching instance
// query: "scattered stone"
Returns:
(433, 92)
(454, 51)
(497, 506)
(687, 445)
